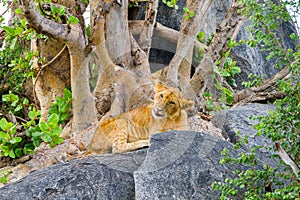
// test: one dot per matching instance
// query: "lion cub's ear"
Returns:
(186, 104)
(160, 87)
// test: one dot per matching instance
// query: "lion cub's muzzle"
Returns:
(158, 113)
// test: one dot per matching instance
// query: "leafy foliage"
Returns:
(62, 107)
(229, 69)
(255, 80)
(56, 13)
(20, 137)
(132, 4)
(282, 125)
(171, 3)
(36, 130)
(189, 13)
(4, 176)
(16, 65)
(226, 68)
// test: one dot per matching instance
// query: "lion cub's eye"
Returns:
(172, 102)
(161, 95)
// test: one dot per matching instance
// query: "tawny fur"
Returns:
(131, 130)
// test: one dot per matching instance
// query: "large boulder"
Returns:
(182, 165)
(99, 177)
(238, 122)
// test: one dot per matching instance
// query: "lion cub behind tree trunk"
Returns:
(131, 130)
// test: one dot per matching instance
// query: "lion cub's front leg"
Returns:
(120, 144)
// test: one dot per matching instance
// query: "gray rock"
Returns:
(238, 121)
(100, 177)
(253, 60)
(182, 165)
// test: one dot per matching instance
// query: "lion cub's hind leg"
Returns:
(120, 144)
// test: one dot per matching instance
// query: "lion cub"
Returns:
(131, 130)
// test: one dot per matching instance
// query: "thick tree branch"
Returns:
(161, 31)
(227, 29)
(247, 95)
(62, 32)
(149, 22)
(188, 34)
(286, 158)
(273, 80)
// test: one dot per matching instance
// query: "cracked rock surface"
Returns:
(98, 177)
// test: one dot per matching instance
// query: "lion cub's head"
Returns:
(168, 102)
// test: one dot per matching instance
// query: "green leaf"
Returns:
(58, 140)
(18, 152)
(18, 11)
(44, 126)
(46, 138)
(9, 30)
(72, 20)
(224, 73)
(4, 125)
(61, 11)
(36, 142)
(192, 14)
(4, 136)
(37, 134)
(53, 9)
(205, 94)
(18, 108)
(25, 102)
(4, 148)
(12, 153)
(64, 107)
(13, 129)
(5, 98)
(67, 94)
(13, 44)
(56, 131)
(15, 140)
(23, 22)
(88, 31)
(63, 117)
(236, 70)
(186, 10)
(19, 31)
(53, 120)
(28, 148)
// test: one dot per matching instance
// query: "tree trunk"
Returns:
(147, 30)
(188, 33)
(84, 113)
(53, 78)
(227, 29)
(75, 38)
(120, 67)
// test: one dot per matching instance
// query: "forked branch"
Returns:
(286, 158)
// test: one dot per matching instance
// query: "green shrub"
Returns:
(15, 144)
(283, 123)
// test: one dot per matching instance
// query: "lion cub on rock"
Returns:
(131, 130)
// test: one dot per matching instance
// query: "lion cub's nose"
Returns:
(159, 109)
